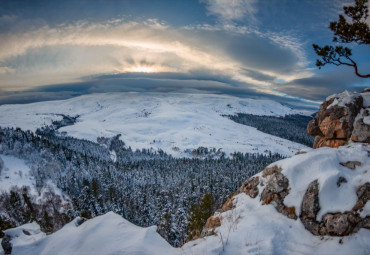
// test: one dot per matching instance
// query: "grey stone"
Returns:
(7, 245)
(310, 203)
(351, 164)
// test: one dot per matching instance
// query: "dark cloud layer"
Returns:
(324, 84)
(161, 83)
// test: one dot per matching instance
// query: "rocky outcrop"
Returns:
(211, 224)
(342, 118)
(271, 187)
(334, 224)
(276, 190)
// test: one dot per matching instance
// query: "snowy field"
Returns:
(171, 122)
(15, 173)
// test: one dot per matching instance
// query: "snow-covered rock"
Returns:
(318, 188)
(341, 118)
(171, 122)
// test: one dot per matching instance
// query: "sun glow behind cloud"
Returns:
(141, 69)
(67, 52)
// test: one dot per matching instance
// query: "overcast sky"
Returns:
(248, 48)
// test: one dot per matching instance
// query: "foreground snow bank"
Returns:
(107, 234)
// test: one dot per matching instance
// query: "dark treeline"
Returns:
(290, 127)
(145, 187)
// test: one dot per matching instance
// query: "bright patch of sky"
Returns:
(259, 49)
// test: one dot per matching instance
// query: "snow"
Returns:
(15, 173)
(159, 121)
(366, 99)
(26, 234)
(323, 164)
(249, 228)
(367, 120)
(106, 234)
(344, 98)
(366, 210)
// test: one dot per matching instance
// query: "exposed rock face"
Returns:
(250, 187)
(276, 190)
(211, 224)
(340, 119)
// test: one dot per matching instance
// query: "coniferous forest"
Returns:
(146, 187)
(290, 127)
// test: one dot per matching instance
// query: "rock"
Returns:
(351, 164)
(310, 202)
(26, 232)
(228, 205)
(7, 245)
(361, 130)
(363, 194)
(313, 128)
(334, 124)
(79, 221)
(271, 170)
(333, 224)
(212, 223)
(276, 190)
(251, 187)
(325, 142)
(341, 180)
(336, 224)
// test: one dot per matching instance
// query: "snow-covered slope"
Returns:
(171, 122)
(248, 228)
(16, 173)
(106, 234)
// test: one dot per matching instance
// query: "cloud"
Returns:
(64, 53)
(231, 10)
(200, 83)
(323, 84)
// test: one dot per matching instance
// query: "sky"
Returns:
(57, 49)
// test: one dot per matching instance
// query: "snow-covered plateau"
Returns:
(171, 122)
(250, 226)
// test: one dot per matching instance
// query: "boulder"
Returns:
(340, 119)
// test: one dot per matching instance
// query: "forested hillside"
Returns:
(290, 127)
(146, 187)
